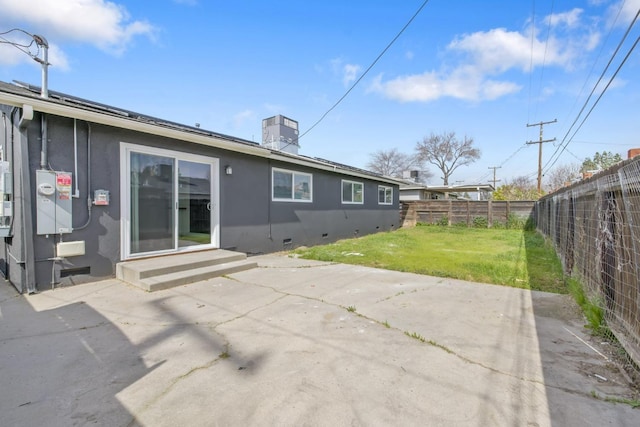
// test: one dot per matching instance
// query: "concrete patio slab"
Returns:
(298, 342)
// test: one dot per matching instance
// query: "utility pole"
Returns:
(494, 175)
(541, 124)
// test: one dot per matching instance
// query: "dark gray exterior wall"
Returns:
(249, 221)
(255, 224)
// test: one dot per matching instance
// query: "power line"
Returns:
(25, 48)
(564, 147)
(595, 86)
(367, 70)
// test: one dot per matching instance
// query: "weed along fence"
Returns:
(595, 228)
(480, 213)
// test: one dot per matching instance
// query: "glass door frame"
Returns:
(125, 198)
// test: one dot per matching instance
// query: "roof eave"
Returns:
(55, 108)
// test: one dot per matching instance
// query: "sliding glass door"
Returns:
(167, 201)
(194, 203)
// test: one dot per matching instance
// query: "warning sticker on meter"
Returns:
(63, 185)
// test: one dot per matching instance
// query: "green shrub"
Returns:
(480, 222)
(514, 222)
(592, 309)
(444, 221)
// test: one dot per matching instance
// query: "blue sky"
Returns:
(481, 69)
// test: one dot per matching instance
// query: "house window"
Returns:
(290, 186)
(385, 195)
(352, 192)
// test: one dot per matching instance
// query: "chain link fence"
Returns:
(595, 228)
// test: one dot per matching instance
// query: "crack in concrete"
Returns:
(212, 326)
(173, 383)
(432, 343)
(47, 334)
(298, 267)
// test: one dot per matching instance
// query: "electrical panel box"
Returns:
(101, 197)
(6, 204)
(53, 202)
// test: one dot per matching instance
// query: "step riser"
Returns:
(133, 271)
(190, 266)
(154, 274)
(195, 278)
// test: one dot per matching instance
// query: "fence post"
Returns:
(489, 214)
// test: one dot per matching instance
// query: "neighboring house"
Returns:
(410, 191)
(114, 185)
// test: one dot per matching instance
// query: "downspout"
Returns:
(269, 201)
(22, 198)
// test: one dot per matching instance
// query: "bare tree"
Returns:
(393, 163)
(447, 152)
(559, 176)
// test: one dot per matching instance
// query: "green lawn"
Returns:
(514, 258)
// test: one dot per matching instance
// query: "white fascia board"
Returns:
(49, 107)
(54, 108)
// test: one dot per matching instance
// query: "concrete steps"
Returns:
(164, 272)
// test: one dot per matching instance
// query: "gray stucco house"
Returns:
(86, 186)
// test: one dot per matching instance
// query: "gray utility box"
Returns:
(53, 202)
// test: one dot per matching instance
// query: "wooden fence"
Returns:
(469, 212)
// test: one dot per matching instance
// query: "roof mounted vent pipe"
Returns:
(42, 42)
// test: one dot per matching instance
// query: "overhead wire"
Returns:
(596, 60)
(533, 35)
(25, 48)
(565, 142)
(597, 100)
(367, 70)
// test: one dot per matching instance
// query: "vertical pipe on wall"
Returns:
(43, 150)
(89, 202)
(270, 189)
(76, 191)
(5, 136)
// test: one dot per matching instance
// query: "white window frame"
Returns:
(293, 180)
(126, 149)
(353, 192)
(387, 191)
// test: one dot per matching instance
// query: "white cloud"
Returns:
(629, 9)
(499, 50)
(350, 72)
(347, 72)
(570, 19)
(466, 83)
(100, 23)
(479, 60)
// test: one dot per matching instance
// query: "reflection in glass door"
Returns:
(194, 203)
(151, 201)
(168, 202)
